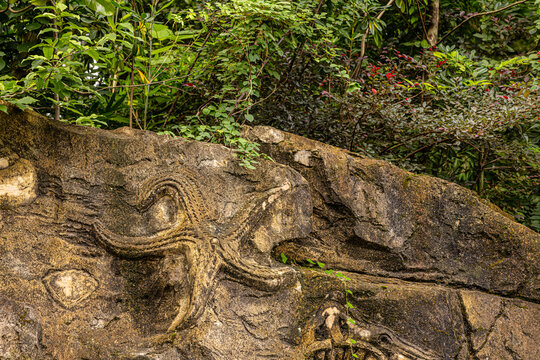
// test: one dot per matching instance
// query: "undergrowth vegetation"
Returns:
(447, 88)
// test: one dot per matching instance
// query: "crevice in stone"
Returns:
(492, 326)
(440, 281)
(468, 328)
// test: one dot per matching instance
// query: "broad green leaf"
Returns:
(102, 7)
(48, 52)
(22, 103)
(33, 26)
(93, 54)
(160, 31)
(107, 37)
(61, 6)
(160, 50)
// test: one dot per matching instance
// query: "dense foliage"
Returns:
(448, 88)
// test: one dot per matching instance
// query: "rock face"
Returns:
(128, 245)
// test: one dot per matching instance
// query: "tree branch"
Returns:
(8, 8)
(480, 14)
(210, 31)
(363, 43)
(421, 19)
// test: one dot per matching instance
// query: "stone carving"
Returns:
(209, 248)
(333, 334)
(146, 233)
(70, 287)
(17, 183)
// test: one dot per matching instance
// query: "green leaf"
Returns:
(2, 63)
(160, 31)
(102, 7)
(47, 15)
(283, 258)
(61, 6)
(22, 103)
(3, 108)
(160, 50)
(48, 52)
(249, 117)
(33, 26)
(93, 54)
(310, 261)
(24, 47)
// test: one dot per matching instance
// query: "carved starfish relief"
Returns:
(210, 248)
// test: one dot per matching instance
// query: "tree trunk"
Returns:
(433, 31)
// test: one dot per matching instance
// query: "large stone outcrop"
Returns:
(128, 245)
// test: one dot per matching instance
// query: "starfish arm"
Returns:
(140, 246)
(204, 272)
(245, 222)
(184, 190)
(248, 272)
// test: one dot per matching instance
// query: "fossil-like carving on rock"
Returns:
(210, 248)
(17, 183)
(70, 287)
(109, 238)
(333, 334)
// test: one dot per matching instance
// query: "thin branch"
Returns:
(259, 72)
(360, 119)
(364, 40)
(425, 147)
(248, 95)
(480, 14)
(8, 8)
(149, 77)
(421, 19)
(131, 86)
(55, 51)
(300, 47)
(210, 31)
(131, 92)
(406, 141)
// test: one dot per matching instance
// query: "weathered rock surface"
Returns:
(128, 245)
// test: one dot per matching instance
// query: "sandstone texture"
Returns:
(129, 245)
